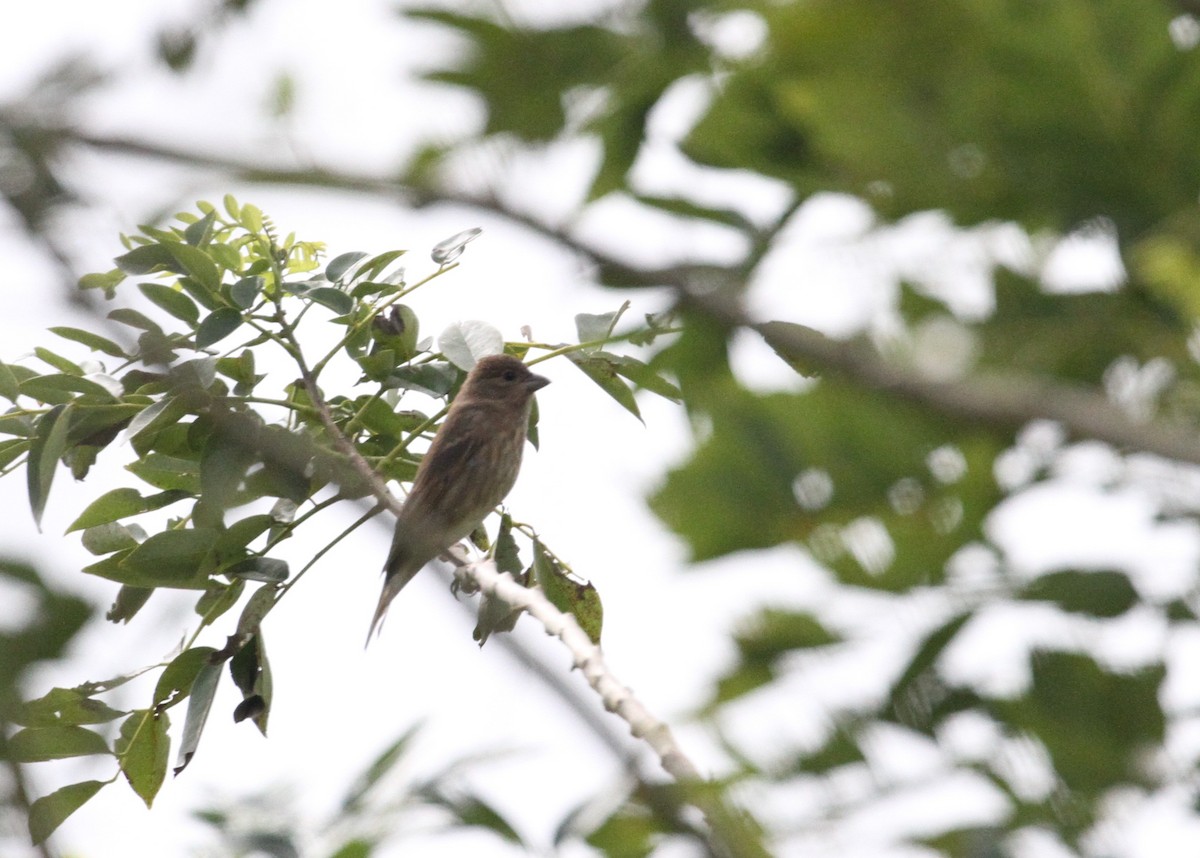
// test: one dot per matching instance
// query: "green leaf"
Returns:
(61, 388)
(631, 832)
(434, 378)
(334, 299)
(371, 269)
(245, 292)
(472, 811)
(59, 362)
(744, 486)
(106, 282)
(258, 606)
(10, 388)
(121, 503)
(218, 597)
(645, 377)
(356, 847)
(173, 301)
(910, 694)
(840, 749)
(1094, 723)
(20, 425)
(204, 689)
(223, 465)
(251, 672)
(378, 417)
(177, 678)
(64, 706)
(93, 341)
(146, 424)
(745, 677)
(241, 370)
(167, 473)
(687, 208)
(245, 530)
(107, 538)
(200, 232)
(397, 331)
(258, 569)
(508, 558)
(174, 557)
(367, 288)
(11, 450)
(601, 367)
(128, 602)
(198, 265)
(567, 593)
(97, 424)
(146, 259)
(135, 319)
(142, 751)
(36, 744)
(1097, 594)
(775, 632)
(217, 326)
(49, 812)
(251, 218)
(339, 265)
(47, 446)
(380, 766)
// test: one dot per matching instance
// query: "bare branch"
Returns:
(734, 833)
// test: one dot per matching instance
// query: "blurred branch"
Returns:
(993, 400)
(19, 797)
(239, 168)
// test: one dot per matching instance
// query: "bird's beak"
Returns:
(536, 382)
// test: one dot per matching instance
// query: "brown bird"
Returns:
(467, 471)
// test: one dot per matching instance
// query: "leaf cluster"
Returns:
(229, 459)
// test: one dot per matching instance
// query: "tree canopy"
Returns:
(893, 459)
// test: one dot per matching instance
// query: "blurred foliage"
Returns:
(47, 625)
(1057, 117)
(1070, 117)
(381, 805)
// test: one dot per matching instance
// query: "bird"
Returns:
(469, 468)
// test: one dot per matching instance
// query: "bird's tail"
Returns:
(398, 571)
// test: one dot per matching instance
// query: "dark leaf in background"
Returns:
(1096, 723)
(1097, 594)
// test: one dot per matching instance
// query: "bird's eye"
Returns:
(510, 375)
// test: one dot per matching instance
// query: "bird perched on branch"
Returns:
(469, 468)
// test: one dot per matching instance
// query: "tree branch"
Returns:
(735, 834)
(732, 833)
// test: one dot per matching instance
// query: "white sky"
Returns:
(336, 707)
